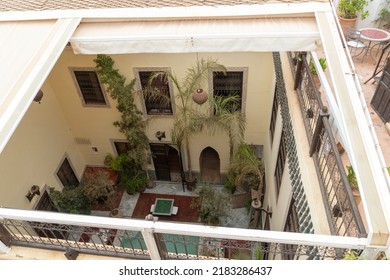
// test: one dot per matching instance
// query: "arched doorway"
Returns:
(210, 166)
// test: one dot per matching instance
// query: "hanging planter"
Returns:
(199, 96)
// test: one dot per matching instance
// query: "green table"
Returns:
(163, 206)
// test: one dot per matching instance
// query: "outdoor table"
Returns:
(376, 38)
(163, 206)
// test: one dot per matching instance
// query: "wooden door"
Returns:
(49, 230)
(66, 174)
(380, 102)
(160, 161)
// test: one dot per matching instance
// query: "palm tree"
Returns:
(246, 164)
(188, 119)
(225, 115)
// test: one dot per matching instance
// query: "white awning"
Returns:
(28, 51)
(205, 35)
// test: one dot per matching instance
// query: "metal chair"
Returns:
(355, 44)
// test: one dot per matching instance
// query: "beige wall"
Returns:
(95, 123)
(35, 151)
(280, 204)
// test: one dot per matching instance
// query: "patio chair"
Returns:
(355, 44)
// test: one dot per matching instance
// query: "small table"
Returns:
(163, 206)
(376, 35)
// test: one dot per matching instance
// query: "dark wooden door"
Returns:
(160, 159)
(45, 229)
(66, 174)
(380, 102)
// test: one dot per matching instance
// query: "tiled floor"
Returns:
(365, 70)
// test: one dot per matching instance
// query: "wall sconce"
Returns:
(160, 135)
(257, 206)
(39, 96)
(34, 190)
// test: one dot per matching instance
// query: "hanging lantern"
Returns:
(199, 96)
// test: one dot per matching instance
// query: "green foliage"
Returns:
(188, 120)
(70, 200)
(136, 183)
(131, 124)
(384, 16)
(213, 204)
(350, 9)
(247, 168)
(350, 255)
(351, 177)
(98, 188)
(322, 62)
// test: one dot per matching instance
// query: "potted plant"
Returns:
(313, 70)
(70, 200)
(349, 10)
(188, 120)
(212, 204)
(383, 18)
(246, 170)
(136, 183)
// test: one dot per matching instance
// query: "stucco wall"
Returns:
(35, 151)
(95, 123)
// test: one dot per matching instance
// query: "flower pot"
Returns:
(191, 184)
(151, 184)
(347, 23)
(116, 213)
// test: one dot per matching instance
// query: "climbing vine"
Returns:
(131, 124)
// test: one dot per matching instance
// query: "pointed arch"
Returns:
(210, 166)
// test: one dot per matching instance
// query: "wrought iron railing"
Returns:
(343, 214)
(125, 238)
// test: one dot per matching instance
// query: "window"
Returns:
(121, 147)
(282, 155)
(66, 174)
(273, 116)
(292, 225)
(89, 87)
(159, 103)
(229, 83)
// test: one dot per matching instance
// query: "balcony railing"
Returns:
(141, 239)
(343, 214)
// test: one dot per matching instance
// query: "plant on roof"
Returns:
(384, 16)
(322, 62)
(350, 9)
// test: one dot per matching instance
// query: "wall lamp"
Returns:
(257, 206)
(38, 96)
(34, 190)
(160, 135)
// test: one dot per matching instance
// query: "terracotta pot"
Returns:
(116, 213)
(346, 23)
(191, 184)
